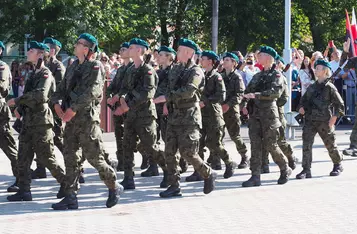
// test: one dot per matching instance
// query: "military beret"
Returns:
(279, 58)
(231, 55)
(125, 45)
(167, 49)
(210, 54)
(198, 52)
(268, 50)
(140, 42)
(39, 46)
(188, 43)
(322, 63)
(91, 39)
(2, 45)
(52, 41)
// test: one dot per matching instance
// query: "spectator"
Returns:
(114, 70)
(21, 87)
(15, 77)
(349, 78)
(315, 56)
(306, 75)
(249, 70)
(257, 64)
(335, 63)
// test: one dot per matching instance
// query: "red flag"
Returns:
(354, 29)
(349, 35)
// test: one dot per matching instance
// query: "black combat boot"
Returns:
(114, 196)
(337, 169)
(21, 196)
(265, 169)
(153, 170)
(305, 173)
(352, 151)
(183, 165)
(144, 162)
(128, 182)
(39, 173)
(244, 162)
(81, 177)
(69, 202)
(284, 176)
(194, 177)
(14, 188)
(254, 180)
(230, 170)
(209, 183)
(164, 183)
(62, 191)
(172, 191)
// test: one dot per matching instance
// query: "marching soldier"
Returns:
(36, 134)
(185, 120)
(213, 95)
(7, 141)
(81, 92)
(321, 105)
(263, 91)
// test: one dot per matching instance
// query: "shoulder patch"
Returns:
(219, 78)
(59, 69)
(96, 67)
(278, 75)
(150, 72)
(45, 76)
(2, 68)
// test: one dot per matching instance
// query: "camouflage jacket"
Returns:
(116, 83)
(214, 93)
(270, 86)
(5, 84)
(84, 91)
(33, 104)
(235, 89)
(183, 95)
(138, 89)
(58, 70)
(321, 101)
(162, 87)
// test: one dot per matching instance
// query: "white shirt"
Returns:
(305, 80)
(334, 65)
(250, 73)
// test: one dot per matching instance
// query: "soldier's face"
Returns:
(206, 62)
(134, 51)
(184, 53)
(124, 53)
(320, 71)
(80, 48)
(228, 63)
(33, 55)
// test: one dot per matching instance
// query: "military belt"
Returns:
(185, 105)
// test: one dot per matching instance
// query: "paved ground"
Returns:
(319, 205)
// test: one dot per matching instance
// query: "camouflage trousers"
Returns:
(119, 135)
(284, 146)
(212, 138)
(86, 135)
(39, 140)
(8, 145)
(146, 130)
(232, 121)
(353, 137)
(263, 136)
(162, 126)
(184, 139)
(328, 137)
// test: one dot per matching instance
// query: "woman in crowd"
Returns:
(306, 75)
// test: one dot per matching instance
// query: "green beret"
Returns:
(52, 41)
(125, 45)
(2, 45)
(140, 42)
(198, 52)
(268, 50)
(167, 49)
(188, 43)
(91, 39)
(39, 46)
(231, 55)
(323, 63)
(210, 54)
(279, 58)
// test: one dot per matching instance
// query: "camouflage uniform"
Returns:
(283, 144)
(83, 83)
(184, 121)
(161, 90)
(235, 88)
(320, 102)
(36, 135)
(138, 89)
(264, 121)
(113, 89)
(7, 141)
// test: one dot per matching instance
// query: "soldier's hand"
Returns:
(225, 108)
(245, 111)
(301, 110)
(124, 105)
(165, 110)
(59, 110)
(114, 99)
(332, 121)
(249, 95)
(11, 102)
(118, 111)
(68, 115)
(346, 45)
(202, 104)
(110, 101)
(17, 114)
